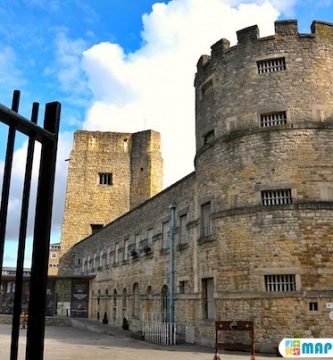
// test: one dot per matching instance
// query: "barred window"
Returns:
(182, 229)
(276, 197)
(206, 224)
(313, 306)
(105, 178)
(280, 283)
(272, 119)
(271, 65)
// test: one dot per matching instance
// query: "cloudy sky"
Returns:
(120, 65)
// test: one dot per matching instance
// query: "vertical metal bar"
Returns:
(42, 229)
(22, 238)
(6, 180)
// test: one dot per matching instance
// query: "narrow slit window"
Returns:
(273, 119)
(276, 197)
(271, 65)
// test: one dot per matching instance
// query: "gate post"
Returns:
(42, 229)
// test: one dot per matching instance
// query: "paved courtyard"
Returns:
(67, 343)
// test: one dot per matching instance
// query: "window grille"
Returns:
(272, 119)
(276, 197)
(280, 283)
(206, 224)
(271, 65)
(313, 306)
(105, 178)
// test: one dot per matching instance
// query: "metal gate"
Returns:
(48, 137)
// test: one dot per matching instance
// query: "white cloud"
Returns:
(18, 170)
(153, 87)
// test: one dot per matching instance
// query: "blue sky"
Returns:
(121, 66)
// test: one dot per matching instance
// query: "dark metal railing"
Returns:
(48, 137)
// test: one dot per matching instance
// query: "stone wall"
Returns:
(243, 242)
(132, 165)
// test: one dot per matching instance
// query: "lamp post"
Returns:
(172, 232)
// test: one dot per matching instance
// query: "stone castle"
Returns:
(254, 234)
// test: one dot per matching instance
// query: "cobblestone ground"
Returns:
(67, 343)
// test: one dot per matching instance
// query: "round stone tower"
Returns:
(264, 143)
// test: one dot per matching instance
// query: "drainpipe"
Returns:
(172, 232)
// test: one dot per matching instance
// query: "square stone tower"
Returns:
(109, 173)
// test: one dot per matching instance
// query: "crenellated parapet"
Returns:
(286, 74)
(264, 115)
(284, 29)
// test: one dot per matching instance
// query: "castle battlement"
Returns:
(283, 76)
(286, 30)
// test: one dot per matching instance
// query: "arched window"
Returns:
(136, 301)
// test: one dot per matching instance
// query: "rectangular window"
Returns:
(272, 119)
(271, 65)
(150, 237)
(116, 254)
(108, 256)
(105, 178)
(137, 242)
(101, 259)
(165, 234)
(206, 224)
(126, 249)
(313, 306)
(276, 197)
(183, 229)
(208, 304)
(280, 283)
(182, 286)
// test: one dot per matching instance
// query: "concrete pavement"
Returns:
(68, 343)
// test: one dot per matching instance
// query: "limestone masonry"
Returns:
(254, 237)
